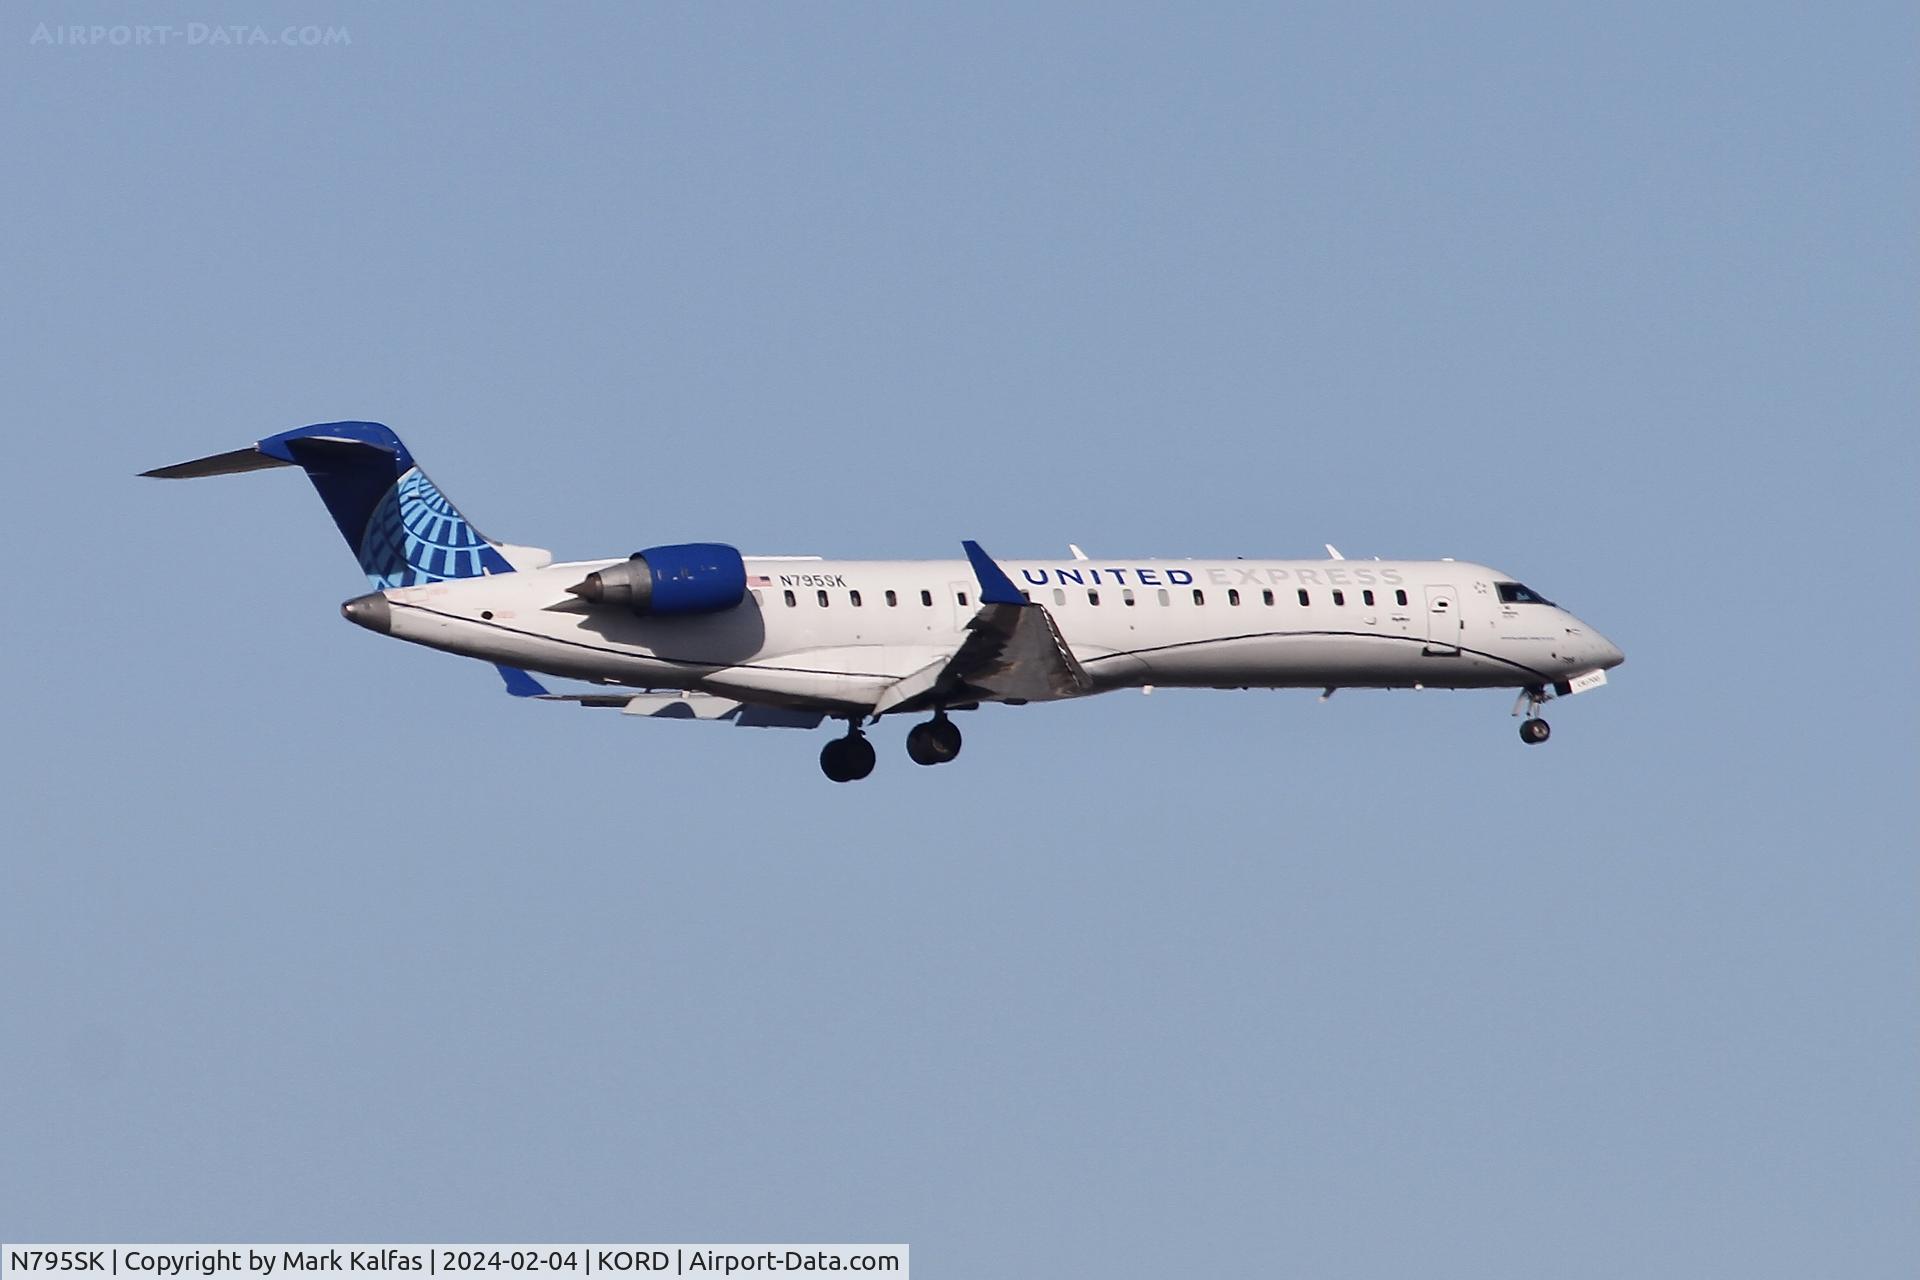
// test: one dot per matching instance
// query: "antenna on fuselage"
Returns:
(1333, 552)
(1078, 554)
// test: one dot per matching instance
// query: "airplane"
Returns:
(699, 631)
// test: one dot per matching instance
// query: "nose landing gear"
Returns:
(847, 759)
(1533, 730)
(935, 742)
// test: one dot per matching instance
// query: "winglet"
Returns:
(519, 683)
(995, 586)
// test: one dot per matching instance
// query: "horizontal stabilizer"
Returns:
(403, 530)
(218, 464)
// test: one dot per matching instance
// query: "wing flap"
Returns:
(1016, 652)
(1013, 652)
(913, 688)
(695, 706)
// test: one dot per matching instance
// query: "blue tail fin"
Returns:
(402, 529)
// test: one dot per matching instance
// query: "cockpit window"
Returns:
(1514, 593)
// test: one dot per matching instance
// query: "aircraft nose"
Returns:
(1609, 655)
(370, 611)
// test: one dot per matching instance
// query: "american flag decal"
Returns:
(759, 580)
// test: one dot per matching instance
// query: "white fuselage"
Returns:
(800, 637)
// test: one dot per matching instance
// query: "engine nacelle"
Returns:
(687, 578)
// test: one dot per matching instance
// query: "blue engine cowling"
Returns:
(685, 578)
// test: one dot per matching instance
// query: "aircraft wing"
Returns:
(674, 705)
(696, 706)
(1013, 652)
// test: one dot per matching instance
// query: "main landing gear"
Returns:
(847, 759)
(1533, 730)
(935, 742)
(850, 758)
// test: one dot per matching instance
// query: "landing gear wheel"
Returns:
(1535, 731)
(833, 761)
(859, 756)
(935, 742)
(847, 759)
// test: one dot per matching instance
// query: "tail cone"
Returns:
(370, 611)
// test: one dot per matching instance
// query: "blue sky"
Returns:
(309, 935)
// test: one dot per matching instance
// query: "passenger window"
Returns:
(1366, 598)
(926, 598)
(823, 599)
(1093, 597)
(853, 598)
(1164, 597)
(961, 596)
(1303, 596)
(1400, 598)
(1340, 597)
(790, 600)
(1199, 596)
(1059, 597)
(1266, 597)
(1126, 596)
(1233, 596)
(893, 601)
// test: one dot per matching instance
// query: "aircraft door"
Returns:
(1444, 623)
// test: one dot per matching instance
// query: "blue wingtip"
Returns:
(519, 683)
(995, 586)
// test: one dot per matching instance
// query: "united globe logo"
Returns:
(415, 535)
